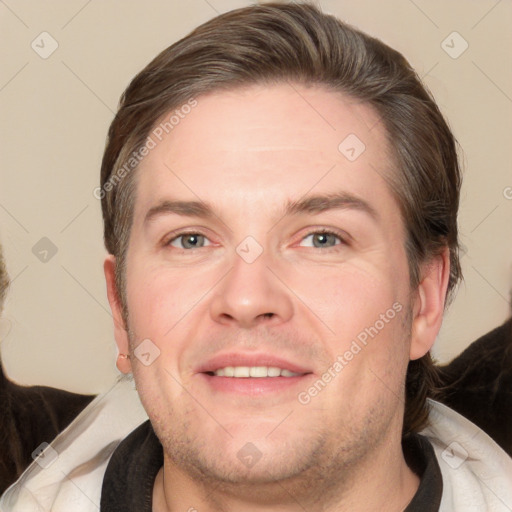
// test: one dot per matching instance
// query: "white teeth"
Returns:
(258, 371)
(242, 371)
(273, 371)
(254, 371)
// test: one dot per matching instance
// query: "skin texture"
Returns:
(248, 152)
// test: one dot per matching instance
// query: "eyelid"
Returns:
(170, 237)
(343, 236)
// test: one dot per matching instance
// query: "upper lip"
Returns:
(250, 359)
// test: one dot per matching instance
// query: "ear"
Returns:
(429, 304)
(120, 330)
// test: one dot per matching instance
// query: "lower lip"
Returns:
(253, 385)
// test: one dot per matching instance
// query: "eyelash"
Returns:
(319, 231)
(324, 231)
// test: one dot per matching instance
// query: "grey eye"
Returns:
(189, 241)
(319, 240)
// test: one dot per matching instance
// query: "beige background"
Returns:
(57, 328)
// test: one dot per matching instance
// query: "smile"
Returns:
(253, 371)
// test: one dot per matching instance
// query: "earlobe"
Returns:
(120, 330)
(429, 304)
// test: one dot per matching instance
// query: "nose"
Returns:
(251, 294)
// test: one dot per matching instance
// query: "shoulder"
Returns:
(71, 470)
(477, 473)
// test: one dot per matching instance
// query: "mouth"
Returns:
(257, 372)
(252, 375)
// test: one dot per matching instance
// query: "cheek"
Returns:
(157, 392)
(159, 299)
(349, 297)
(364, 308)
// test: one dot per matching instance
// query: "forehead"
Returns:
(262, 142)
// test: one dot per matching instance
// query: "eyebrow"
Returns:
(308, 205)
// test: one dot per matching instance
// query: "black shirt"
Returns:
(132, 469)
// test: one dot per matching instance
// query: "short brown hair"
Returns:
(295, 42)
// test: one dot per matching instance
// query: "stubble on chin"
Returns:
(313, 469)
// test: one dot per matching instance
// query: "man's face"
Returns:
(256, 283)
